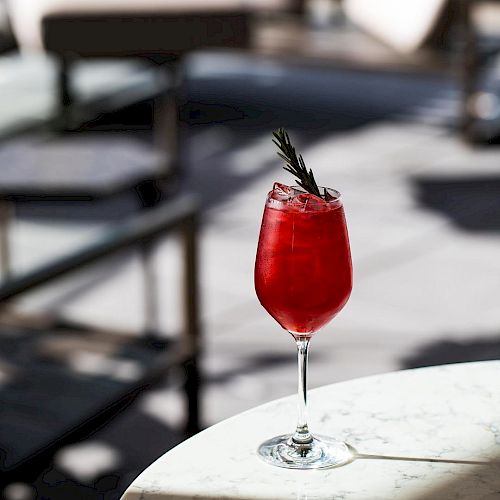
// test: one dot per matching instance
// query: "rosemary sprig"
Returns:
(295, 164)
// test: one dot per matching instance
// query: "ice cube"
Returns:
(281, 192)
(308, 201)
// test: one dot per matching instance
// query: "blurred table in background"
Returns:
(418, 434)
(159, 32)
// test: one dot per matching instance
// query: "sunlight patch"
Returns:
(87, 460)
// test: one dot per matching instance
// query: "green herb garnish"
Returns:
(295, 164)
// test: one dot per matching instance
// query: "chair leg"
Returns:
(469, 71)
(6, 211)
(65, 94)
(165, 132)
(192, 325)
(168, 123)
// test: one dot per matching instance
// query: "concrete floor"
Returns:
(423, 217)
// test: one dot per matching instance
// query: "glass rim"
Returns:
(336, 202)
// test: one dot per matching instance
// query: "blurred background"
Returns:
(135, 157)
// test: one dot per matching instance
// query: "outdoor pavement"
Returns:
(423, 212)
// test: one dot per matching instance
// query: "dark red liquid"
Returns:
(303, 272)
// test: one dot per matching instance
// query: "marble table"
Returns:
(430, 433)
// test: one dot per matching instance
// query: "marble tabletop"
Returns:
(430, 433)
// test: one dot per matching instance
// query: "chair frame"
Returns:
(178, 214)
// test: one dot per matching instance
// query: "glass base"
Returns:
(322, 453)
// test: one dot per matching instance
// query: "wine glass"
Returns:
(303, 278)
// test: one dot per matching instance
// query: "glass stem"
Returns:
(302, 436)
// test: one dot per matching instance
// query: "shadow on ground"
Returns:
(450, 351)
(252, 364)
(472, 203)
(136, 441)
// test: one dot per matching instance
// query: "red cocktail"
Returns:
(303, 274)
(303, 278)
